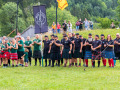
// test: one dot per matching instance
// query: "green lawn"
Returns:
(60, 78)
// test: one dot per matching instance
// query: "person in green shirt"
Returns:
(20, 50)
(28, 45)
(14, 55)
(37, 49)
(25, 56)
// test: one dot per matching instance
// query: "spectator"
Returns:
(69, 25)
(58, 27)
(64, 25)
(91, 25)
(54, 27)
(112, 25)
(86, 24)
(80, 26)
(77, 25)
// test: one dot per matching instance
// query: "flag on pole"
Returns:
(62, 4)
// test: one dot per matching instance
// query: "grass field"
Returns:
(60, 78)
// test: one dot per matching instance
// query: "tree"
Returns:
(8, 18)
(118, 9)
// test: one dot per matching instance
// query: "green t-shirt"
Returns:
(3, 46)
(36, 46)
(26, 55)
(22, 47)
(27, 43)
(13, 50)
(8, 45)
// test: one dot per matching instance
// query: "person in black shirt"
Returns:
(46, 54)
(103, 49)
(109, 53)
(88, 51)
(78, 49)
(80, 26)
(96, 48)
(72, 41)
(83, 48)
(64, 25)
(55, 50)
(66, 50)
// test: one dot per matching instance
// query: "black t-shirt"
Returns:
(109, 43)
(72, 39)
(66, 44)
(62, 41)
(80, 23)
(103, 43)
(78, 43)
(88, 47)
(116, 46)
(83, 40)
(46, 44)
(65, 26)
(96, 43)
(54, 48)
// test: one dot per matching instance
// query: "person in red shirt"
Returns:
(58, 27)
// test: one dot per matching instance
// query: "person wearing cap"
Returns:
(66, 51)
(109, 51)
(55, 51)
(14, 55)
(77, 49)
(83, 48)
(28, 45)
(117, 47)
(72, 41)
(46, 53)
(96, 50)
(88, 51)
(103, 40)
(37, 49)
(20, 50)
(62, 41)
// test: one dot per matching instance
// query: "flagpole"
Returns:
(56, 17)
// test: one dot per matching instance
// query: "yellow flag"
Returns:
(62, 4)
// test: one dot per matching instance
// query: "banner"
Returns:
(40, 19)
(62, 4)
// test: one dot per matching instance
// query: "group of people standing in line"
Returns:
(71, 47)
(68, 26)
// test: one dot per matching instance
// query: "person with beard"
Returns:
(88, 51)
(83, 48)
(62, 41)
(72, 41)
(28, 45)
(78, 49)
(103, 49)
(55, 50)
(96, 48)
(109, 53)
(37, 49)
(46, 52)
(66, 51)
(117, 47)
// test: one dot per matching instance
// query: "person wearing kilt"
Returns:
(28, 45)
(103, 40)
(13, 54)
(72, 41)
(46, 53)
(83, 48)
(96, 50)
(20, 50)
(37, 49)
(78, 49)
(117, 48)
(88, 51)
(5, 55)
(6, 40)
(0, 55)
(109, 53)
(66, 51)
(55, 51)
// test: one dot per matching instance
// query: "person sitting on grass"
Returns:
(25, 56)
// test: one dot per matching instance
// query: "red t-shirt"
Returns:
(58, 26)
